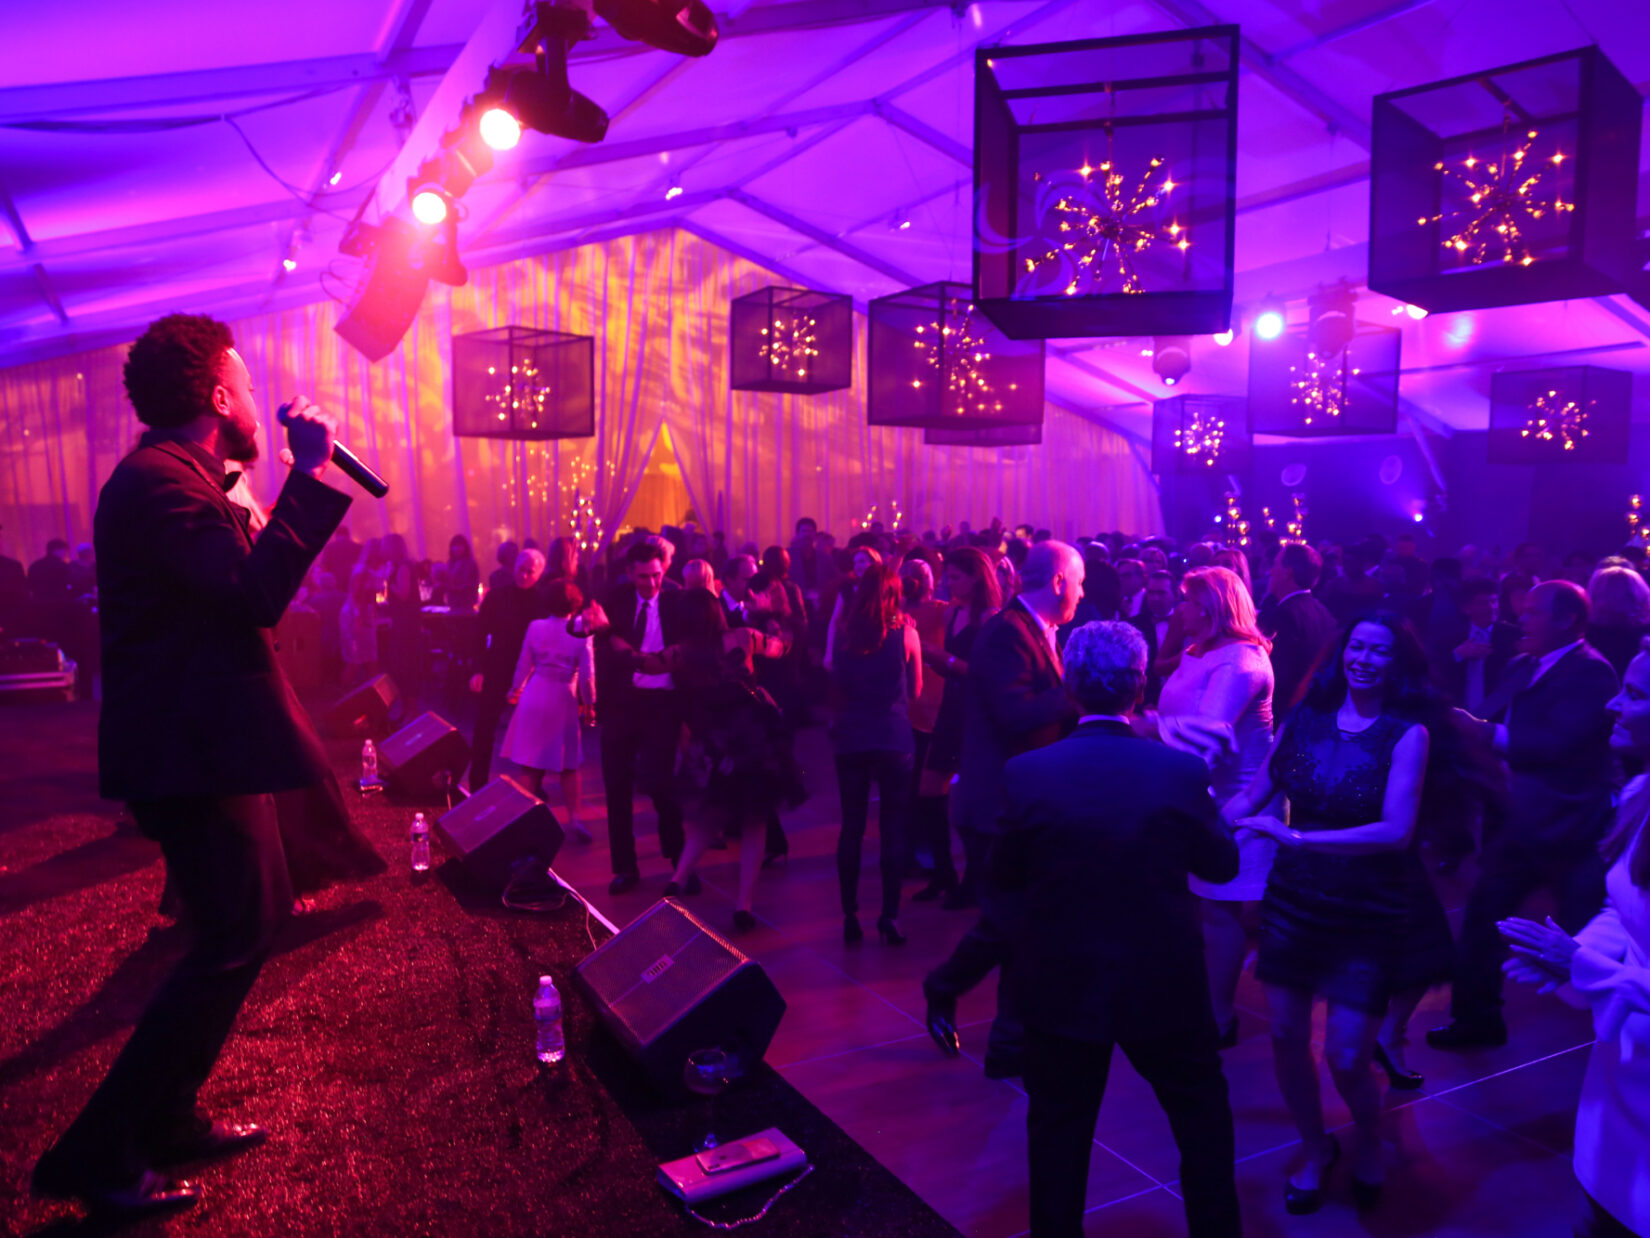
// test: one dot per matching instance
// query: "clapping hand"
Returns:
(1541, 953)
(1271, 827)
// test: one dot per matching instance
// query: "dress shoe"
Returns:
(213, 1140)
(933, 890)
(851, 932)
(151, 1193)
(888, 930)
(1460, 1035)
(1300, 1200)
(743, 922)
(1398, 1080)
(941, 1019)
(1003, 1065)
(958, 899)
(622, 883)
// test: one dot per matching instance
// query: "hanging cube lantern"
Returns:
(1507, 187)
(935, 361)
(991, 436)
(1571, 414)
(1302, 385)
(1105, 176)
(791, 339)
(523, 383)
(1202, 434)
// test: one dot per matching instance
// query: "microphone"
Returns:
(347, 461)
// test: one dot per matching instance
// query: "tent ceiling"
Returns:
(828, 139)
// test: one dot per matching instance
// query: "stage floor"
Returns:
(1482, 1150)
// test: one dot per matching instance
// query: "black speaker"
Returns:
(364, 710)
(669, 985)
(424, 758)
(498, 828)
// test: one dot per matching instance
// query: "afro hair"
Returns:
(173, 367)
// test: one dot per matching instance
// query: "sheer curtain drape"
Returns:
(656, 304)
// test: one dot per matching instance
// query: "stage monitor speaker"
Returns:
(498, 829)
(364, 710)
(669, 985)
(424, 758)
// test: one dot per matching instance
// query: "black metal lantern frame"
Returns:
(1507, 187)
(1300, 389)
(523, 383)
(991, 436)
(1206, 435)
(794, 340)
(1577, 414)
(1105, 175)
(936, 361)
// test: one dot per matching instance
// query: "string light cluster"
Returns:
(1099, 227)
(792, 344)
(1318, 386)
(1498, 202)
(873, 515)
(1201, 440)
(958, 354)
(1237, 528)
(1555, 419)
(1637, 534)
(1295, 527)
(522, 390)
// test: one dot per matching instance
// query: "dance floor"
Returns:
(1483, 1149)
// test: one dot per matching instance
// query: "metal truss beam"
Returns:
(823, 238)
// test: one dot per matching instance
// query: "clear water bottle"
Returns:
(420, 844)
(552, 1044)
(369, 764)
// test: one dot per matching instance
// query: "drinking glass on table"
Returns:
(707, 1073)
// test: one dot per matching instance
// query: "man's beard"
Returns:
(242, 445)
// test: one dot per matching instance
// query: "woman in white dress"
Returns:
(554, 687)
(1606, 967)
(1218, 704)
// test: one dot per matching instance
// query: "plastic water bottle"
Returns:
(420, 844)
(369, 764)
(552, 1045)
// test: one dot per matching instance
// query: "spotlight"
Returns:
(686, 27)
(1223, 338)
(674, 192)
(1171, 358)
(291, 264)
(429, 206)
(1331, 322)
(499, 129)
(1415, 312)
(541, 99)
(1270, 322)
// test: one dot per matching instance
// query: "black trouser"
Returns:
(1601, 1223)
(639, 739)
(1510, 872)
(982, 948)
(976, 854)
(489, 709)
(225, 862)
(1064, 1083)
(854, 774)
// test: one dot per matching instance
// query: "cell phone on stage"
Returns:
(731, 1156)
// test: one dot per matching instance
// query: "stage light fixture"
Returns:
(674, 192)
(429, 206)
(1171, 358)
(439, 259)
(291, 264)
(1330, 319)
(1270, 322)
(1415, 312)
(1224, 338)
(499, 128)
(465, 156)
(686, 27)
(541, 99)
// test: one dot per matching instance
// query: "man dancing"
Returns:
(199, 729)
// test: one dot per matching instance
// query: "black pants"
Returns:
(855, 772)
(1064, 1083)
(224, 860)
(1510, 873)
(489, 709)
(639, 741)
(976, 853)
(1600, 1223)
(983, 947)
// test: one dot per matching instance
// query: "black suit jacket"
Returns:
(1100, 833)
(1014, 700)
(1561, 772)
(1147, 627)
(615, 688)
(1303, 629)
(194, 701)
(14, 594)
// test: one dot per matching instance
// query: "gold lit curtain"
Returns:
(657, 305)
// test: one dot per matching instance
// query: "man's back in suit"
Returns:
(1303, 630)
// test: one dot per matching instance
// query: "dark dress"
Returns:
(946, 746)
(1354, 928)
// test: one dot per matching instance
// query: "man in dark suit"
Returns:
(1301, 626)
(640, 715)
(1014, 701)
(1471, 654)
(1550, 720)
(505, 613)
(1162, 596)
(50, 578)
(14, 595)
(199, 727)
(1100, 832)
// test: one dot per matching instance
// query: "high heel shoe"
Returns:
(1399, 1080)
(888, 930)
(1302, 1201)
(851, 932)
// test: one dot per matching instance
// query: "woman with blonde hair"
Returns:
(1619, 602)
(1218, 704)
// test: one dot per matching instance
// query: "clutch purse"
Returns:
(730, 1166)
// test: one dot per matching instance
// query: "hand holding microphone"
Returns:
(312, 436)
